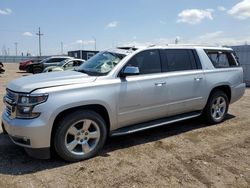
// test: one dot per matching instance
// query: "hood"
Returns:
(27, 84)
(24, 62)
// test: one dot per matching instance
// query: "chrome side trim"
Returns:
(156, 106)
(155, 125)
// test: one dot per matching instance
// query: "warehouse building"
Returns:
(82, 54)
(243, 53)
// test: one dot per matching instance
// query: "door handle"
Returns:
(159, 84)
(198, 79)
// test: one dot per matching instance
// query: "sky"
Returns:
(77, 24)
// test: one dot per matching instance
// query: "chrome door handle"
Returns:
(159, 84)
(198, 79)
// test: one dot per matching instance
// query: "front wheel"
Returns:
(217, 107)
(80, 135)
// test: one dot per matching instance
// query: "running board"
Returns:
(153, 124)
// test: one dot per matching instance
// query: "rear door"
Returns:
(185, 80)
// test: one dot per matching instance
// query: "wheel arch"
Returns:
(100, 109)
(225, 88)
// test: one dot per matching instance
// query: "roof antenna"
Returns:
(151, 45)
(131, 49)
(176, 40)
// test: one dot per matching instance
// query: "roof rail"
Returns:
(151, 45)
(127, 47)
(202, 45)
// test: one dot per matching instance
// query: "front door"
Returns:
(142, 96)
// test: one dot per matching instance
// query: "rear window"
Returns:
(222, 59)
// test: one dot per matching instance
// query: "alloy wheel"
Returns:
(82, 137)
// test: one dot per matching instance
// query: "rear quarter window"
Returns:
(222, 59)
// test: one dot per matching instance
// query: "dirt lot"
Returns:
(185, 154)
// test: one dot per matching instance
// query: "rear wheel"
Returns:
(80, 135)
(37, 70)
(217, 107)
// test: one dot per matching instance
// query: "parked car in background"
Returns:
(1, 68)
(67, 64)
(118, 92)
(36, 68)
(23, 66)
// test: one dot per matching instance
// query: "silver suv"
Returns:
(119, 91)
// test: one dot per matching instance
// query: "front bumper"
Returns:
(28, 133)
(21, 67)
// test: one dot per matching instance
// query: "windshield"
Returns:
(44, 60)
(101, 64)
(63, 62)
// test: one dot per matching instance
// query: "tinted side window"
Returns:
(77, 63)
(148, 62)
(55, 60)
(49, 61)
(59, 59)
(222, 59)
(178, 60)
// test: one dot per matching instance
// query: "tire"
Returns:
(80, 135)
(37, 70)
(217, 107)
(28, 70)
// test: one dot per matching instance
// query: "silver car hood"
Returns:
(27, 84)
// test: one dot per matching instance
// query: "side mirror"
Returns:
(130, 71)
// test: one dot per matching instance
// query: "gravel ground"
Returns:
(186, 154)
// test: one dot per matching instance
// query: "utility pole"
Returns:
(62, 48)
(39, 35)
(16, 47)
(95, 42)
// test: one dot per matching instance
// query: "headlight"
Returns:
(24, 99)
(26, 104)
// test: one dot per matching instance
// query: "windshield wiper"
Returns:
(90, 73)
(81, 70)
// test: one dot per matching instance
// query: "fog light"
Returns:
(21, 140)
(26, 109)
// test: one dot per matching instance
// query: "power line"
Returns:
(39, 35)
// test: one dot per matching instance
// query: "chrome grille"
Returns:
(10, 100)
(11, 96)
(8, 110)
